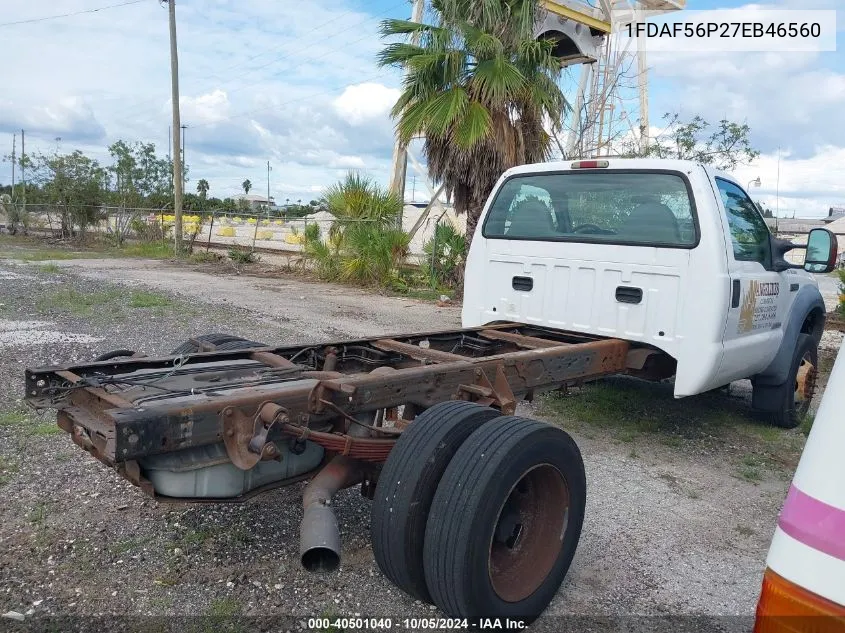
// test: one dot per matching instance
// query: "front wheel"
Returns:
(505, 521)
(796, 394)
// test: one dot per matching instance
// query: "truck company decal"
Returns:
(759, 309)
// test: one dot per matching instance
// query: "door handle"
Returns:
(628, 294)
(524, 284)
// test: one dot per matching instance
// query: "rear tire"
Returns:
(220, 341)
(407, 484)
(796, 394)
(505, 521)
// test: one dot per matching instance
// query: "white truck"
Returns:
(576, 271)
(667, 253)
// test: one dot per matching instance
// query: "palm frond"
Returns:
(473, 126)
(496, 80)
(444, 110)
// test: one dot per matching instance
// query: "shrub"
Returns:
(206, 258)
(444, 254)
(841, 273)
(145, 230)
(239, 256)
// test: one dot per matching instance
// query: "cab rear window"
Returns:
(648, 208)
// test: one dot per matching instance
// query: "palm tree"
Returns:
(480, 88)
(202, 188)
(247, 185)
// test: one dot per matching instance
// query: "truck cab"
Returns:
(668, 253)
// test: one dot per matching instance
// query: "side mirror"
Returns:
(822, 251)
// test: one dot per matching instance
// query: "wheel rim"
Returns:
(805, 384)
(529, 533)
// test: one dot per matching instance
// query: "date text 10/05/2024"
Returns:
(414, 624)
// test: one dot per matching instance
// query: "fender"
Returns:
(808, 301)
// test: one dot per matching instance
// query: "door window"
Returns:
(749, 234)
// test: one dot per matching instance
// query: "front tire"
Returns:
(796, 394)
(505, 521)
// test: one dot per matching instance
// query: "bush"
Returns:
(363, 246)
(445, 254)
(841, 307)
(146, 231)
(239, 256)
(206, 258)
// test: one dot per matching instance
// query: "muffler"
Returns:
(319, 535)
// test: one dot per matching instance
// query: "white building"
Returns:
(254, 201)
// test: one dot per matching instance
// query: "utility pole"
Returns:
(400, 156)
(257, 221)
(14, 158)
(170, 158)
(23, 171)
(184, 156)
(178, 181)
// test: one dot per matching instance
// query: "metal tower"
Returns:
(587, 35)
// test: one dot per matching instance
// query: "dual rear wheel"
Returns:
(479, 513)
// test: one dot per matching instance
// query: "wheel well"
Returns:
(813, 323)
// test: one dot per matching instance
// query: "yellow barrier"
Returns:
(226, 231)
(265, 235)
(294, 239)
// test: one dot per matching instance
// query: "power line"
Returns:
(67, 15)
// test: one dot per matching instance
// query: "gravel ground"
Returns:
(670, 529)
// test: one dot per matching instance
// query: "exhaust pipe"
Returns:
(319, 539)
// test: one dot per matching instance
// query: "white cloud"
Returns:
(806, 187)
(208, 108)
(364, 102)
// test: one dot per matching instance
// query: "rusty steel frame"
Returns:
(320, 406)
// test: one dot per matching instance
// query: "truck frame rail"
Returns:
(352, 398)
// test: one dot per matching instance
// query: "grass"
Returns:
(38, 515)
(22, 420)
(46, 255)
(129, 544)
(49, 268)
(46, 429)
(145, 299)
(13, 418)
(66, 300)
(75, 302)
(630, 410)
(807, 424)
(749, 469)
(8, 468)
(221, 615)
(195, 537)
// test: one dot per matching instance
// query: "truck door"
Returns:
(759, 295)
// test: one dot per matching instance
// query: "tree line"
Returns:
(78, 188)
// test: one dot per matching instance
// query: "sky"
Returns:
(296, 83)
